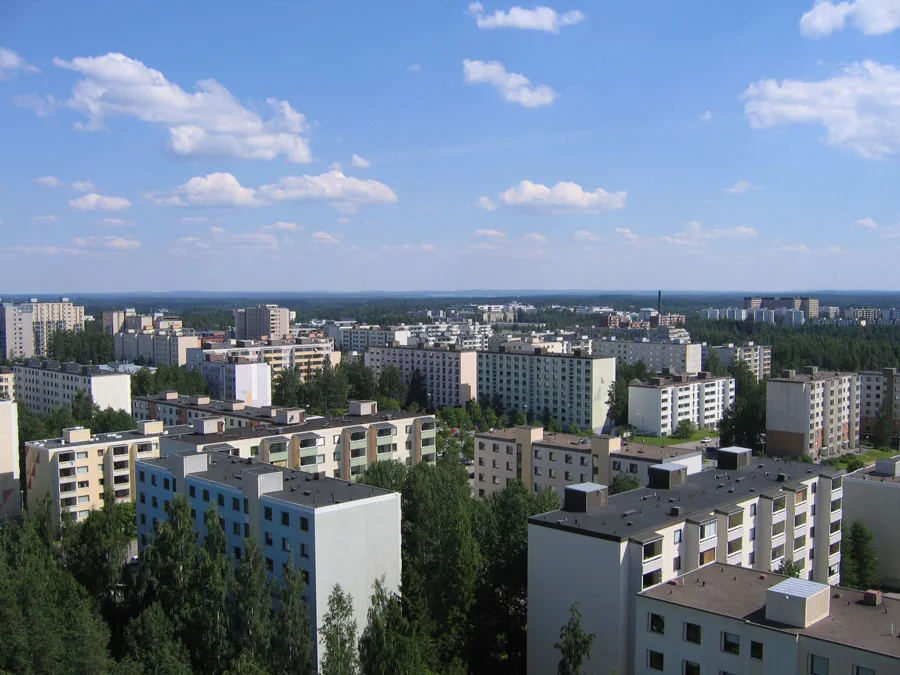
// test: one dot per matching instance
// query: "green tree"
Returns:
(361, 380)
(339, 635)
(789, 569)
(884, 426)
(292, 644)
(861, 550)
(849, 568)
(744, 423)
(82, 407)
(685, 429)
(417, 392)
(153, 648)
(574, 644)
(110, 420)
(386, 474)
(251, 618)
(623, 482)
(390, 384)
(854, 463)
(389, 644)
(286, 391)
(519, 419)
(714, 365)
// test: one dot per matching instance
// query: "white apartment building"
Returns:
(602, 550)
(573, 389)
(540, 460)
(42, 386)
(307, 355)
(262, 322)
(336, 447)
(236, 379)
(876, 390)
(675, 356)
(813, 412)
(451, 375)
(16, 332)
(10, 492)
(7, 384)
(761, 315)
(26, 328)
(873, 497)
(727, 619)
(77, 468)
(172, 409)
(154, 348)
(657, 407)
(334, 531)
(757, 357)
(360, 338)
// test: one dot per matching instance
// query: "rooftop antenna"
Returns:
(659, 302)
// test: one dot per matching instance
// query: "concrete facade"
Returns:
(657, 407)
(307, 355)
(261, 322)
(451, 375)
(872, 494)
(42, 386)
(7, 384)
(876, 390)
(154, 348)
(239, 379)
(360, 338)
(172, 409)
(10, 492)
(677, 357)
(757, 357)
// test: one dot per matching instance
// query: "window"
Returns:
(836, 505)
(269, 564)
(165, 483)
(708, 556)
(735, 546)
(778, 528)
(220, 498)
(753, 509)
(192, 491)
(677, 536)
(690, 668)
(752, 534)
(708, 530)
(676, 564)
(731, 643)
(735, 520)
(235, 504)
(655, 660)
(305, 576)
(285, 546)
(237, 552)
(652, 578)
(268, 538)
(777, 552)
(632, 468)
(153, 479)
(692, 632)
(656, 623)
(236, 528)
(862, 670)
(778, 504)
(141, 476)
(756, 650)
(206, 495)
(155, 502)
(143, 519)
(304, 550)
(818, 665)
(268, 513)
(653, 549)
(304, 524)
(142, 498)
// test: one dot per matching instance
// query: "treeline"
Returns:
(846, 348)
(168, 378)
(90, 346)
(83, 412)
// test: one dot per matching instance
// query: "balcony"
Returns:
(119, 467)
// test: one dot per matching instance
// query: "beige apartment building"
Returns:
(154, 348)
(814, 412)
(657, 356)
(172, 409)
(7, 384)
(876, 390)
(10, 492)
(27, 328)
(76, 469)
(262, 322)
(451, 375)
(572, 388)
(540, 460)
(307, 355)
(42, 386)
(757, 357)
(335, 447)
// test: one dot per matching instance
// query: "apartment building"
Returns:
(334, 531)
(235, 379)
(114, 320)
(678, 357)
(655, 408)
(172, 409)
(757, 357)
(602, 550)
(809, 306)
(10, 492)
(76, 469)
(876, 390)
(360, 338)
(451, 375)
(572, 388)
(816, 413)
(262, 322)
(728, 619)
(540, 460)
(154, 348)
(7, 384)
(335, 447)
(16, 332)
(42, 386)
(307, 355)
(862, 313)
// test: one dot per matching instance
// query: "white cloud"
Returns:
(514, 87)
(344, 192)
(194, 219)
(209, 121)
(483, 246)
(707, 115)
(360, 162)
(866, 223)
(46, 250)
(741, 187)
(628, 234)
(415, 68)
(696, 231)
(109, 243)
(416, 247)
(343, 220)
(214, 189)
(534, 236)
(544, 19)
(282, 226)
(335, 166)
(325, 238)
(83, 186)
(113, 222)
(835, 250)
(859, 108)
(562, 197)
(50, 182)
(490, 234)
(46, 219)
(486, 204)
(587, 235)
(872, 17)
(95, 202)
(799, 248)
(11, 62)
(42, 105)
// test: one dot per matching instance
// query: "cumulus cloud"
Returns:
(45, 250)
(113, 222)
(490, 234)
(486, 204)
(706, 116)
(344, 192)
(83, 186)
(741, 187)
(46, 219)
(11, 62)
(587, 235)
(628, 235)
(54, 182)
(513, 87)
(859, 108)
(95, 202)
(564, 197)
(49, 181)
(871, 17)
(534, 236)
(696, 231)
(42, 105)
(322, 237)
(194, 219)
(109, 243)
(835, 250)
(281, 226)
(360, 162)
(415, 68)
(799, 248)
(210, 121)
(214, 189)
(866, 224)
(544, 19)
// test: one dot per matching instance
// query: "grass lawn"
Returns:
(671, 440)
(869, 457)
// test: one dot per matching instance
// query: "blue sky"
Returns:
(358, 145)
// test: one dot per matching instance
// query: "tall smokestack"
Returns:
(659, 302)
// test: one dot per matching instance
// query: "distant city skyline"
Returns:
(355, 146)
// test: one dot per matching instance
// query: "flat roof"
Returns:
(648, 509)
(111, 438)
(300, 487)
(654, 453)
(740, 593)
(675, 381)
(592, 357)
(811, 377)
(69, 368)
(869, 474)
